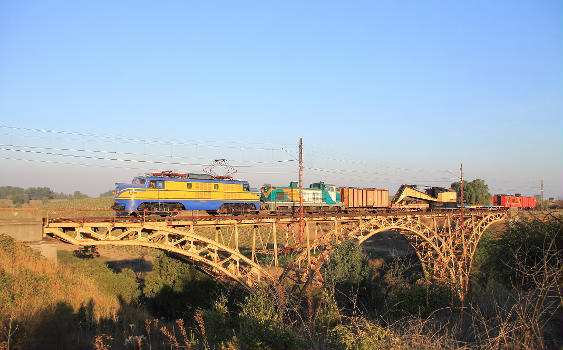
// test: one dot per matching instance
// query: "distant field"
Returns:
(87, 207)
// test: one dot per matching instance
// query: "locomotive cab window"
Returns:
(245, 187)
(139, 181)
(156, 184)
(189, 185)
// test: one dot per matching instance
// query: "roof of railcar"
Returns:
(227, 181)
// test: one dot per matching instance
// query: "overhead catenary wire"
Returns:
(132, 154)
(77, 164)
(87, 165)
(137, 140)
(102, 158)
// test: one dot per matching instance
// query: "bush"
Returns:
(261, 324)
(20, 199)
(123, 284)
(176, 288)
(327, 315)
(360, 335)
(520, 248)
(217, 322)
(348, 264)
(419, 299)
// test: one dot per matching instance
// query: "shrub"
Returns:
(218, 322)
(123, 284)
(348, 264)
(524, 244)
(418, 299)
(176, 288)
(261, 324)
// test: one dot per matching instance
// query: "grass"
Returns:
(86, 207)
(30, 283)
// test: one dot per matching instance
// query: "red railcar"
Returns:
(514, 201)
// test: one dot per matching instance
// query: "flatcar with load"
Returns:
(408, 197)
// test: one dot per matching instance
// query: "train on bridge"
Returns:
(516, 201)
(165, 193)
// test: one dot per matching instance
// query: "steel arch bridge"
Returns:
(251, 250)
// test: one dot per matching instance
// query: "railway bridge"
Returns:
(255, 249)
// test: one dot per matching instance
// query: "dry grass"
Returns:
(87, 207)
(38, 284)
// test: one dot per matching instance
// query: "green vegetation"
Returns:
(123, 284)
(474, 192)
(528, 246)
(348, 264)
(106, 194)
(175, 289)
(20, 196)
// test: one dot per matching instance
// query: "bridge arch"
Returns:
(426, 245)
(399, 232)
(214, 258)
(479, 230)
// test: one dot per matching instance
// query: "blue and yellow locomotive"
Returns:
(170, 192)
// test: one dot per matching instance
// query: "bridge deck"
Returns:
(249, 219)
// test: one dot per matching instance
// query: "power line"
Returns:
(108, 159)
(76, 164)
(130, 153)
(135, 140)
(144, 169)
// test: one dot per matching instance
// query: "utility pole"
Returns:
(461, 177)
(301, 223)
(461, 220)
(541, 196)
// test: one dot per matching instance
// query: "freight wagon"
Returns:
(364, 198)
(514, 201)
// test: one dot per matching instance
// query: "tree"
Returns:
(474, 192)
(107, 194)
(40, 193)
(79, 195)
(20, 199)
(9, 191)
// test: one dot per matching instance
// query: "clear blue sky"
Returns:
(382, 92)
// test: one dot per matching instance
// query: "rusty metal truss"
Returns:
(258, 249)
